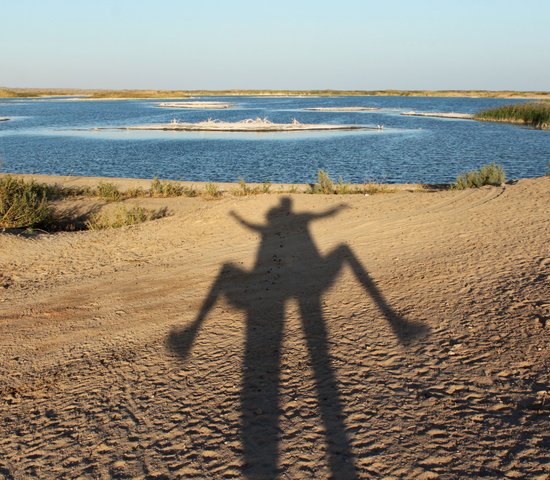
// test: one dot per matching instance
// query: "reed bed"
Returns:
(536, 114)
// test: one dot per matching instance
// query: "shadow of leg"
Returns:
(338, 445)
(260, 392)
(180, 340)
(405, 330)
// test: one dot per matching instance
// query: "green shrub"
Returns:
(491, 174)
(23, 204)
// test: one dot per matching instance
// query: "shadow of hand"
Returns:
(180, 341)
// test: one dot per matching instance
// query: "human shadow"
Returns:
(288, 266)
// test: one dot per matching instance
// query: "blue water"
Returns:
(56, 136)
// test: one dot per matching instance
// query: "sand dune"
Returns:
(405, 335)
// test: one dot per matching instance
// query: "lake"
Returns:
(56, 136)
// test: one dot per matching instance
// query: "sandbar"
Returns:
(461, 116)
(197, 105)
(248, 125)
(342, 109)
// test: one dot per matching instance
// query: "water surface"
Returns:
(56, 136)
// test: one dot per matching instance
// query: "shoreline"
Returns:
(98, 94)
(126, 183)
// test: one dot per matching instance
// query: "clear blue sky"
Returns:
(298, 44)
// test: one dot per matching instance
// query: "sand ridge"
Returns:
(101, 376)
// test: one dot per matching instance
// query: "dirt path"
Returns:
(296, 370)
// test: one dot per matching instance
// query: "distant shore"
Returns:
(94, 94)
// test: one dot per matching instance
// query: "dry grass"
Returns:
(170, 189)
(122, 216)
(327, 186)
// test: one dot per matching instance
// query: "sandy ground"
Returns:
(401, 335)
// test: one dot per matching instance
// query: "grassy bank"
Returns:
(27, 203)
(536, 115)
(6, 92)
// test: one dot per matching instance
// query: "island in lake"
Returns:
(198, 105)
(342, 109)
(248, 125)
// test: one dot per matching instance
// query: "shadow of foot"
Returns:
(411, 332)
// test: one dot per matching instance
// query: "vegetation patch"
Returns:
(491, 174)
(28, 205)
(327, 186)
(23, 204)
(121, 216)
(536, 115)
(212, 190)
(243, 189)
(170, 189)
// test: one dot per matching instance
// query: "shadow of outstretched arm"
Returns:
(180, 340)
(327, 213)
(405, 330)
(245, 223)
